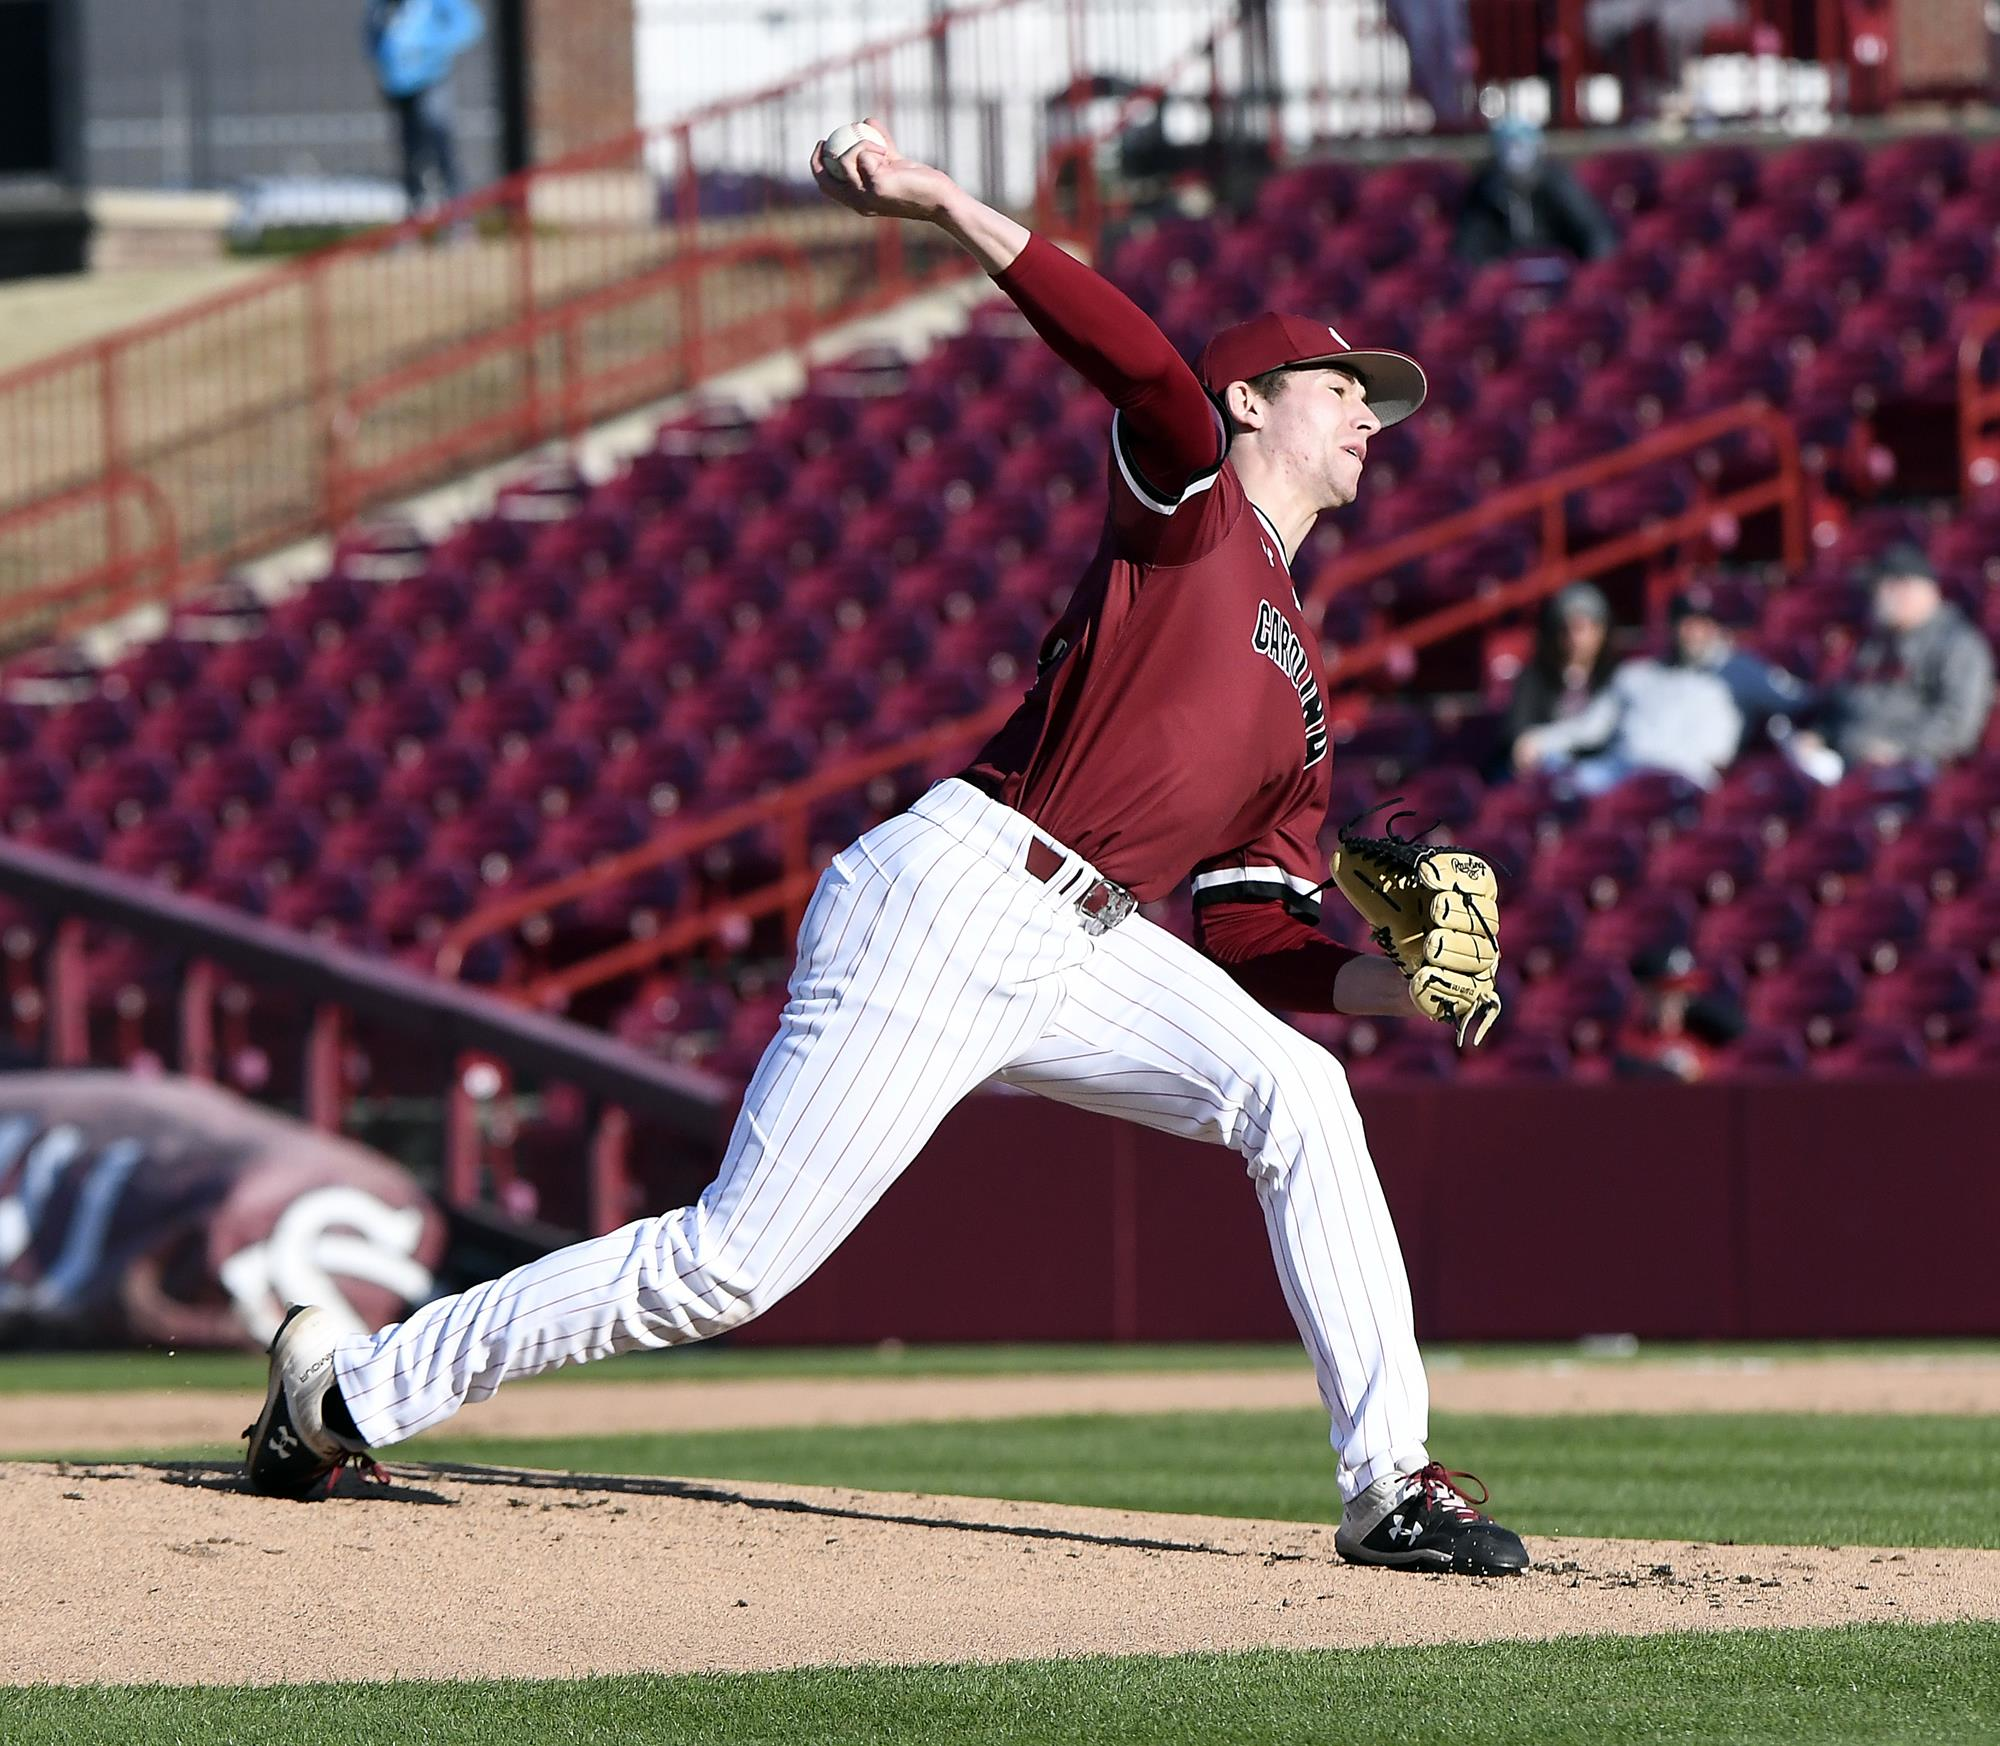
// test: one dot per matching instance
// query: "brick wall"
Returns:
(580, 85)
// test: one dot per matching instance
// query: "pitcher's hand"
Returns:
(879, 182)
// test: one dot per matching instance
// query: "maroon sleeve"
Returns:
(1284, 963)
(1171, 429)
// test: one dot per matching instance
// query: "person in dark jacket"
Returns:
(1570, 665)
(412, 45)
(1920, 686)
(1524, 202)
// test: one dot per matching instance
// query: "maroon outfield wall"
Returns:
(1788, 1209)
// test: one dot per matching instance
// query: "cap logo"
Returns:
(1337, 340)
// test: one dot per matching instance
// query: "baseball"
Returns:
(847, 136)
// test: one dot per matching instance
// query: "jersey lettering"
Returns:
(1275, 639)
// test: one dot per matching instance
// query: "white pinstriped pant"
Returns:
(930, 961)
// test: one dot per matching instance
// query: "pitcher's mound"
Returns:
(171, 1572)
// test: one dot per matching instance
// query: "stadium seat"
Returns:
(1874, 1051)
(1712, 863)
(1543, 930)
(1761, 929)
(1935, 992)
(1816, 995)
(1584, 1006)
(1876, 925)
(1827, 858)
(1598, 866)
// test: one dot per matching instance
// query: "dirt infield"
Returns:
(173, 1573)
(58, 1424)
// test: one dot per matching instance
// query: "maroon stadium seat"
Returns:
(1875, 1050)
(1932, 991)
(400, 721)
(1817, 995)
(1875, 925)
(1761, 929)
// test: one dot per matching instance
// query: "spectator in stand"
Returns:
(1920, 686)
(1654, 715)
(1438, 34)
(412, 45)
(1765, 694)
(1570, 665)
(1525, 203)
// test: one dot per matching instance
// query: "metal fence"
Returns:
(145, 462)
(611, 277)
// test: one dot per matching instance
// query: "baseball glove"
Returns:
(1436, 912)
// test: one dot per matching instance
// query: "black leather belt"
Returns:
(1102, 904)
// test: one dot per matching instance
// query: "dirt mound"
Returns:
(64, 1424)
(171, 1572)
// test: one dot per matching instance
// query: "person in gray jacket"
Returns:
(1921, 684)
(1652, 716)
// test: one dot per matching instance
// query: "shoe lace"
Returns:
(1443, 1491)
(369, 1468)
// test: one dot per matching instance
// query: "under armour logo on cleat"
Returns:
(283, 1444)
(1398, 1531)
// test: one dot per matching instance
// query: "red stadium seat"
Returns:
(1876, 925)
(1585, 1006)
(1512, 1054)
(226, 785)
(1761, 1052)
(1645, 933)
(337, 779)
(1941, 855)
(1827, 859)
(1874, 1051)
(1933, 992)
(1712, 863)
(1765, 926)
(1816, 995)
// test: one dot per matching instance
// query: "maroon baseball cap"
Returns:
(1271, 341)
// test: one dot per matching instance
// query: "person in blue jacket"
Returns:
(412, 45)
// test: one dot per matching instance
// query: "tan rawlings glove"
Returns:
(1436, 913)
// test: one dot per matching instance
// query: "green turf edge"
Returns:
(1876, 1684)
(101, 1372)
(1774, 1479)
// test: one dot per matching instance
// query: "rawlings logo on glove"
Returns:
(1436, 913)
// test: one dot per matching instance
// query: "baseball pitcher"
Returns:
(1176, 726)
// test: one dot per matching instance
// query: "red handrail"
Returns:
(241, 406)
(1545, 500)
(78, 595)
(788, 807)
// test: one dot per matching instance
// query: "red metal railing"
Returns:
(525, 312)
(351, 997)
(785, 812)
(629, 271)
(1546, 502)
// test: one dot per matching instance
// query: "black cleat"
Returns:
(291, 1452)
(1423, 1521)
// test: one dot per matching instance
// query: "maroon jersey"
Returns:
(1177, 724)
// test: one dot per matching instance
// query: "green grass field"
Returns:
(93, 1372)
(1872, 1686)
